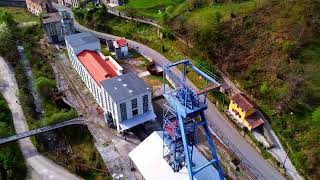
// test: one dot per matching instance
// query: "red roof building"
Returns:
(122, 42)
(99, 68)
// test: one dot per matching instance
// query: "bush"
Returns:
(58, 116)
(167, 33)
(45, 87)
(12, 165)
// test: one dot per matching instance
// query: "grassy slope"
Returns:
(274, 54)
(12, 165)
(271, 54)
(19, 14)
(156, 9)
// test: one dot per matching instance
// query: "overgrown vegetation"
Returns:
(12, 165)
(271, 47)
(76, 151)
(160, 10)
(83, 159)
(274, 54)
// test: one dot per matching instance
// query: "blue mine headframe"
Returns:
(183, 114)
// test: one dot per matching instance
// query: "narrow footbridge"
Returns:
(42, 130)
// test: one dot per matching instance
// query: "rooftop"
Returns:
(154, 167)
(37, 1)
(99, 68)
(81, 38)
(51, 17)
(121, 42)
(242, 101)
(254, 120)
(125, 86)
(65, 15)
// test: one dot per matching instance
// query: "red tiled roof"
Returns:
(121, 42)
(242, 101)
(98, 68)
(254, 120)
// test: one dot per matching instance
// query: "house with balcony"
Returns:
(243, 111)
(39, 6)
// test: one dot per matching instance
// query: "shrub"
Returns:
(45, 86)
(264, 88)
(167, 33)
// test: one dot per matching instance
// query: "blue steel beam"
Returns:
(185, 103)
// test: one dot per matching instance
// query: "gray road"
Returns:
(259, 166)
(42, 168)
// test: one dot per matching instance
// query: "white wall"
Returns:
(91, 84)
(129, 107)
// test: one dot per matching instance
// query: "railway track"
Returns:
(82, 104)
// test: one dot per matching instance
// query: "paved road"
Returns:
(42, 168)
(42, 130)
(261, 168)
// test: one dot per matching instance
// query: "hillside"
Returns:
(274, 54)
(270, 48)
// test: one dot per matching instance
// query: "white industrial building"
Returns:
(148, 158)
(125, 99)
(130, 101)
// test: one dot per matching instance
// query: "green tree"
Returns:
(8, 37)
(45, 86)
(264, 88)
(316, 116)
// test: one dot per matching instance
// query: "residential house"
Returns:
(124, 98)
(39, 6)
(244, 112)
(51, 23)
(113, 3)
(71, 3)
(57, 25)
(121, 48)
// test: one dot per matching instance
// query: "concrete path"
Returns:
(42, 167)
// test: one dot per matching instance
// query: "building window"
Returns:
(123, 110)
(145, 103)
(135, 112)
(134, 103)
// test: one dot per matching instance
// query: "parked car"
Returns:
(155, 69)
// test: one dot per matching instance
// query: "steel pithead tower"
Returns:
(183, 114)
